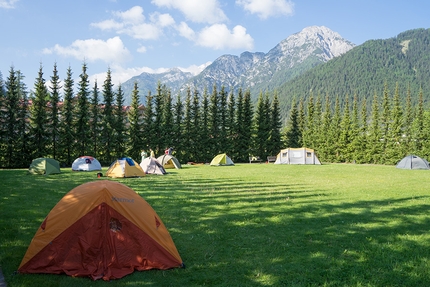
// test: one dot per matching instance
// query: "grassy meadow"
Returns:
(253, 224)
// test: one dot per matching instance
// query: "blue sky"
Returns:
(131, 37)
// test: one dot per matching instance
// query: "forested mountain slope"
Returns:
(363, 70)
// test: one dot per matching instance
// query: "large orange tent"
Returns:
(101, 229)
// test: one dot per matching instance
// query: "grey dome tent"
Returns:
(413, 162)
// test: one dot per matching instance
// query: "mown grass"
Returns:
(253, 225)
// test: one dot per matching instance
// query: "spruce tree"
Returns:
(334, 133)
(187, 129)
(108, 121)
(345, 134)
(54, 113)
(326, 147)
(178, 114)
(134, 131)
(83, 136)
(246, 129)
(214, 123)
(262, 128)
(95, 121)
(195, 142)
(374, 142)
(67, 121)
(120, 136)
(230, 124)
(168, 120)
(24, 147)
(148, 123)
(206, 156)
(222, 138)
(158, 134)
(418, 126)
(395, 131)
(39, 117)
(238, 146)
(293, 133)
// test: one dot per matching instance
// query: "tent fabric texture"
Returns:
(86, 163)
(125, 167)
(221, 160)
(102, 230)
(44, 166)
(169, 161)
(413, 162)
(297, 156)
(151, 166)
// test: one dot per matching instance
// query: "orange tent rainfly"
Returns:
(101, 229)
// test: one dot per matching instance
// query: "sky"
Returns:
(130, 36)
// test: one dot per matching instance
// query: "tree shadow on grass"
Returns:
(251, 233)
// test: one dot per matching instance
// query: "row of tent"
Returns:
(122, 167)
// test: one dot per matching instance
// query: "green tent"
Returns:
(44, 166)
(221, 159)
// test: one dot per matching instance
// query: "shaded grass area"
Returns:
(253, 225)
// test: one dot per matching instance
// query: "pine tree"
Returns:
(384, 123)
(246, 129)
(222, 138)
(239, 126)
(159, 140)
(334, 133)
(187, 129)
(395, 131)
(355, 146)
(374, 142)
(67, 121)
(53, 112)
(326, 147)
(206, 156)
(134, 132)
(23, 146)
(231, 125)
(168, 120)
(195, 128)
(108, 121)
(148, 123)
(83, 135)
(214, 123)
(345, 134)
(95, 121)
(262, 128)
(39, 117)
(418, 126)
(120, 136)
(178, 114)
(293, 133)
(407, 123)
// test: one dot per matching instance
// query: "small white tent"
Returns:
(86, 163)
(297, 156)
(151, 166)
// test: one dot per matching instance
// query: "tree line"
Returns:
(61, 121)
(352, 133)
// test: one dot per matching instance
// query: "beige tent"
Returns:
(301, 155)
(169, 161)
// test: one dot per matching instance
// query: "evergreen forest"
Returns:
(65, 120)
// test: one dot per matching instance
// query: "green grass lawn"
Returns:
(253, 225)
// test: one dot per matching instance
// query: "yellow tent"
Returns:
(125, 167)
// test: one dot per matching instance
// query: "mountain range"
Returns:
(258, 72)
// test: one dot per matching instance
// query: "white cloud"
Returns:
(132, 16)
(194, 69)
(8, 4)
(185, 31)
(110, 51)
(141, 49)
(218, 36)
(202, 11)
(267, 8)
(132, 23)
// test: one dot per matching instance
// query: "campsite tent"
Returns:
(221, 159)
(169, 161)
(86, 163)
(125, 167)
(151, 166)
(101, 229)
(44, 166)
(297, 156)
(413, 162)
